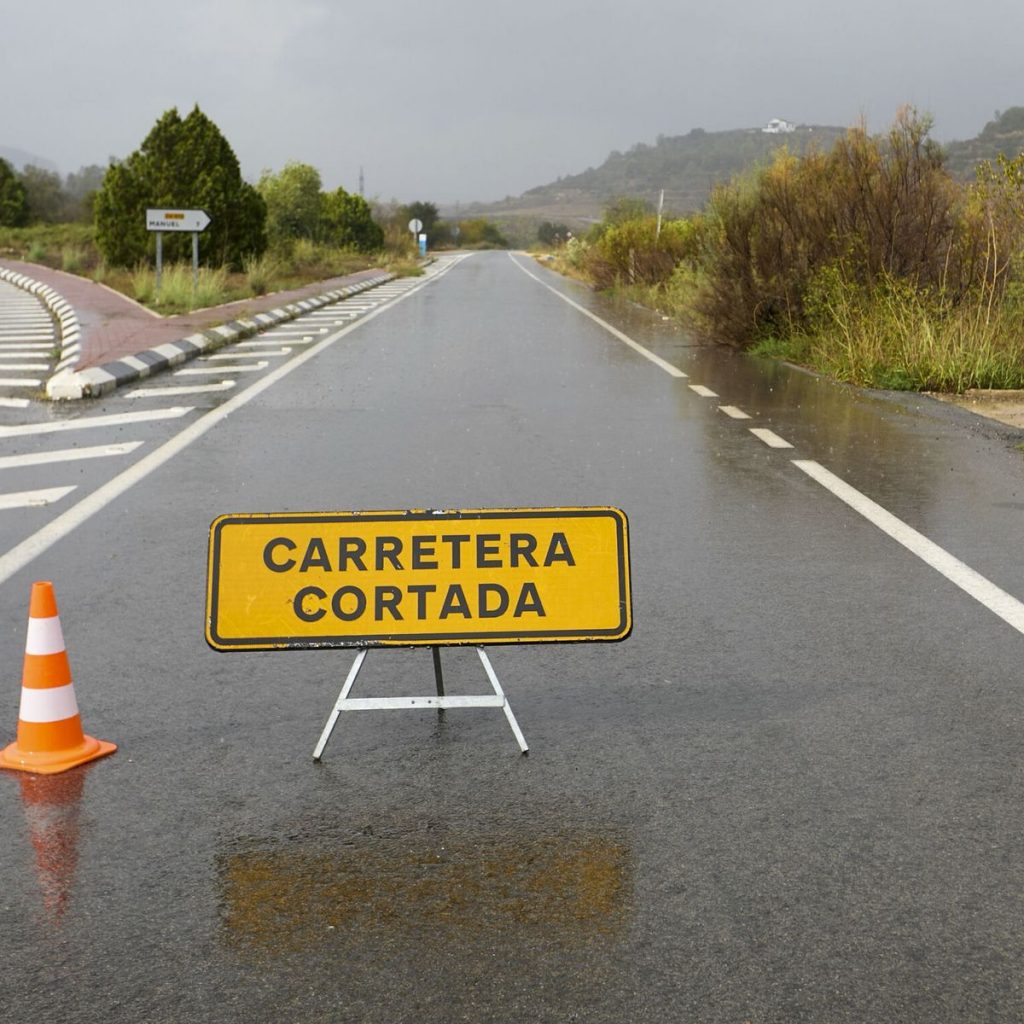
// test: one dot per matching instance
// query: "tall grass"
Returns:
(260, 272)
(898, 337)
(177, 293)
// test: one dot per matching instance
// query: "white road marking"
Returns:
(24, 366)
(770, 438)
(185, 389)
(44, 538)
(289, 339)
(243, 355)
(14, 403)
(613, 331)
(90, 422)
(67, 455)
(703, 391)
(731, 410)
(206, 371)
(33, 499)
(5, 354)
(1007, 607)
(19, 346)
(19, 382)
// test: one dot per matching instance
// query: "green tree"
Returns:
(552, 234)
(44, 196)
(293, 202)
(13, 207)
(347, 221)
(183, 162)
(81, 188)
(427, 213)
(481, 233)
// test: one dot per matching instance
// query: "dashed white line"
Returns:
(770, 438)
(735, 413)
(1007, 607)
(67, 455)
(703, 391)
(33, 499)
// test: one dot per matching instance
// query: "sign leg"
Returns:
(329, 727)
(516, 731)
(438, 676)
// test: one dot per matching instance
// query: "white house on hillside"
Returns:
(776, 126)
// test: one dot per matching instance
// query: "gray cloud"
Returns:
(472, 100)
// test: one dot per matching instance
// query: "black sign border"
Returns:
(474, 639)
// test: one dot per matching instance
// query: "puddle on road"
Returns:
(569, 887)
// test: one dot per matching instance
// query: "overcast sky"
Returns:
(446, 100)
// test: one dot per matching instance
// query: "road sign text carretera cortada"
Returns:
(479, 576)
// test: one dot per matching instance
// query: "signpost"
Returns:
(161, 220)
(286, 581)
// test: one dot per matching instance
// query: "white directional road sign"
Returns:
(176, 220)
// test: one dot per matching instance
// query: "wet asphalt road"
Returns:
(793, 794)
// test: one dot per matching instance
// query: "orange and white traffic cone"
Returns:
(50, 737)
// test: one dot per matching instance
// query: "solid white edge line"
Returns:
(996, 600)
(24, 553)
(613, 331)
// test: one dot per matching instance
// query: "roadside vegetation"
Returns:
(869, 262)
(281, 233)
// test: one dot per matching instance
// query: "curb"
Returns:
(67, 384)
(60, 309)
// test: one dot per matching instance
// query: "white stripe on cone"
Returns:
(44, 636)
(52, 704)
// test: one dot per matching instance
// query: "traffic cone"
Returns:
(50, 737)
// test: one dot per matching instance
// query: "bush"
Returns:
(884, 207)
(185, 163)
(634, 252)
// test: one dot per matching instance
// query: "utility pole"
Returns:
(661, 206)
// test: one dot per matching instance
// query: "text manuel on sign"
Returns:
(374, 579)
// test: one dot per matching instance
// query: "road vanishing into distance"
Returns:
(793, 794)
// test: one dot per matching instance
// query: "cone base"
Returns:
(51, 762)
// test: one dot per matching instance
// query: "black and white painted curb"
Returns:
(60, 309)
(67, 384)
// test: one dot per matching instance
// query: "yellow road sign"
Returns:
(374, 579)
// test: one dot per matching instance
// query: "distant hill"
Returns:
(685, 166)
(688, 166)
(1003, 135)
(19, 159)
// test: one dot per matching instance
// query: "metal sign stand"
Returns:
(441, 701)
